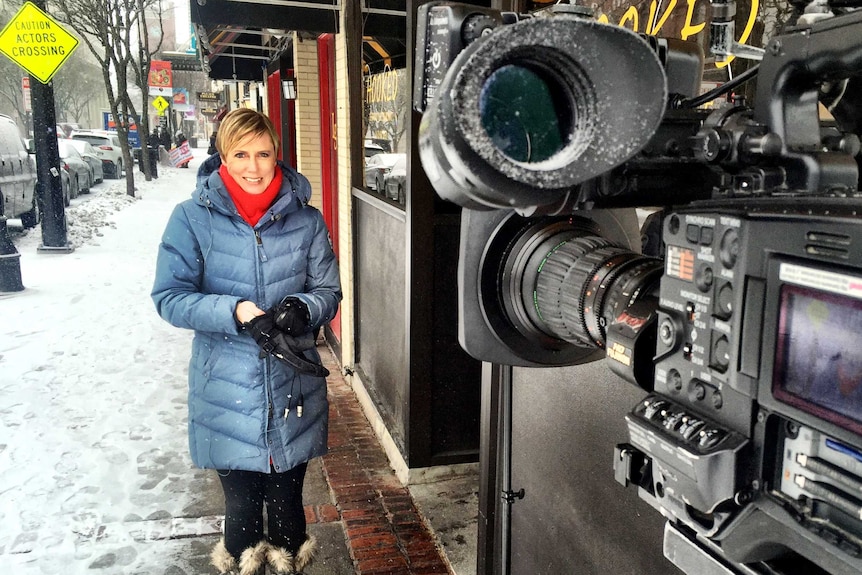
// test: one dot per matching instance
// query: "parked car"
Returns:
(66, 181)
(372, 149)
(18, 198)
(395, 181)
(377, 167)
(92, 156)
(76, 165)
(70, 189)
(109, 143)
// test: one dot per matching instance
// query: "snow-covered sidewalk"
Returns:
(94, 465)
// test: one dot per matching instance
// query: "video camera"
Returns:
(737, 305)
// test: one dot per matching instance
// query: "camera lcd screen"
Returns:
(819, 355)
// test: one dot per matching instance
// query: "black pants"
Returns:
(246, 492)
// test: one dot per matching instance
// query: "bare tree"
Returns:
(11, 93)
(108, 28)
(76, 83)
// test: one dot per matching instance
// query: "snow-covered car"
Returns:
(394, 182)
(78, 168)
(92, 156)
(372, 149)
(17, 176)
(377, 167)
(109, 144)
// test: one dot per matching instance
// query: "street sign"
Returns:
(160, 104)
(36, 42)
(25, 89)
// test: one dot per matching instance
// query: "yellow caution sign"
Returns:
(160, 104)
(36, 42)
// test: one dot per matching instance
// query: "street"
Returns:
(94, 467)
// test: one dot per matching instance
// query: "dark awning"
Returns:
(239, 38)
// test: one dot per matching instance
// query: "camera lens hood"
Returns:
(483, 139)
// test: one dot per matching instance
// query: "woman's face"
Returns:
(252, 163)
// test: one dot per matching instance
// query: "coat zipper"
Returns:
(259, 241)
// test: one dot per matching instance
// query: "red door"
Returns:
(273, 96)
(282, 112)
(329, 146)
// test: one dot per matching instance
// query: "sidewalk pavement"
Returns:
(365, 521)
(95, 476)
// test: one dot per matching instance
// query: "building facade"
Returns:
(338, 77)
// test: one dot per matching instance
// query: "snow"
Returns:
(94, 464)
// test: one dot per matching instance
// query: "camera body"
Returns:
(737, 306)
(756, 406)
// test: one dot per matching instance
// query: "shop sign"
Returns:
(160, 79)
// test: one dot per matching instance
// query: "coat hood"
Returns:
(211, 192)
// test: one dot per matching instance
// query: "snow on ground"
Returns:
(93, 445)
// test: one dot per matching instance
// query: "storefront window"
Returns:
(386, 114)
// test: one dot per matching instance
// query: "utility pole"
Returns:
(50, 186)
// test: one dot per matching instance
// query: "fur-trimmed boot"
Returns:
(283, 562)
(251, 562)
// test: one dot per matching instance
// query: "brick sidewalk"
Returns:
(384, 532)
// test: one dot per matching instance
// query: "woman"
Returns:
(248, 265)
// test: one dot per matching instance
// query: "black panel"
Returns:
(388, 24)
(381, 347)
(251, 15)
(456, 389)
(247, 70)
(574, 517)
(385, 25)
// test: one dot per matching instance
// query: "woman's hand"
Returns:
(246, 310)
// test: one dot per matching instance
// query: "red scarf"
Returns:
(251, 206)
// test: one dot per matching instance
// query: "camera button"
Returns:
(692, 233)
(729, 249)
(710, 437)
(724, 301)
(706, 236)
(674, 381)
(721, 354)
(703, 278)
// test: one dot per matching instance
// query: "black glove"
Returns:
(282, 346)
(291, 316)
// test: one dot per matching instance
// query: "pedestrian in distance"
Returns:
(248, 265)
(165, 139)
(212, 149)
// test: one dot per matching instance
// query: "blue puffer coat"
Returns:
(208, 261)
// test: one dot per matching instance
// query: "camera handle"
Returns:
(722, 31)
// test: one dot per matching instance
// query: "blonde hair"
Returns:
(241, 123)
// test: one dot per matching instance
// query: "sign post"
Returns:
(25, 90)
(40, 45)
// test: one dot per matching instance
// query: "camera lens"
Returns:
(521, 110)
(570, 284)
